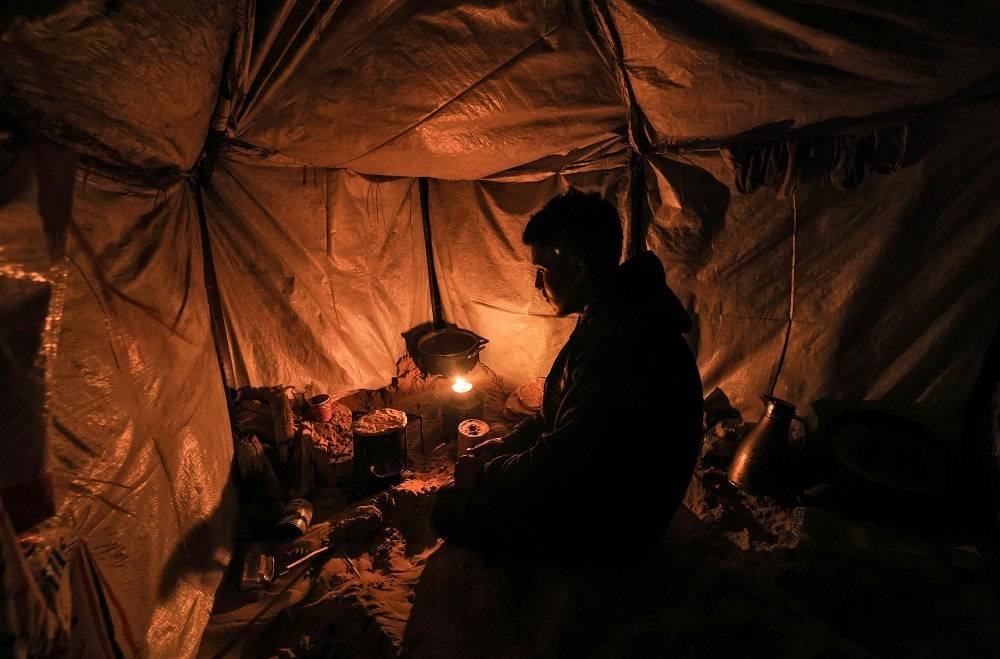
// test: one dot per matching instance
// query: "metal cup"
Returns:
(258, 569)
(320, 408)
(295, 518)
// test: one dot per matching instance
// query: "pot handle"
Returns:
(480, 344)
(376, 474)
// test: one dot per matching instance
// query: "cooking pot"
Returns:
(379, 457)
(449, 351)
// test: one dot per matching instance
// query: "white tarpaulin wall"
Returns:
(896, 282)
(137, 457)
(329, 110)
(320, 272)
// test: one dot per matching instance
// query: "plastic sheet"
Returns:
(30, 626)
(36, 193)
(894, 281)
(439, 90)
(710, 70)
(320, 273)
(321, 268)
(139, 457)
(132, 83)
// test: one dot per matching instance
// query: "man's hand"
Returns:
(488, 449)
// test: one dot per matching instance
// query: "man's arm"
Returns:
(582, 420)
(524, 435)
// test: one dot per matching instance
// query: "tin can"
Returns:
(470, 433)
(295, 518)
(258, 570)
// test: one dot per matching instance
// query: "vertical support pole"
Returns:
(638, 217)
(425, 212)
(219, 335)
(605, 36)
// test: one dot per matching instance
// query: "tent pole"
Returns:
(636, 205)
(429, 249)
(605, 37)
(218, 323)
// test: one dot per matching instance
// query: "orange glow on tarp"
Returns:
(461, 385)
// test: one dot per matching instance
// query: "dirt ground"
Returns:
(733, 576)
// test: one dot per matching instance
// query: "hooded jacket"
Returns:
(613, 448)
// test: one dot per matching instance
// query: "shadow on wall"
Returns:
(204, 551)
(683, 240)
(900, 301)
(699, 193)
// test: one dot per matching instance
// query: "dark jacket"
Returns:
(609, 458)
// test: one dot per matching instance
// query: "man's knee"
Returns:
(445, 512)
(457, 515)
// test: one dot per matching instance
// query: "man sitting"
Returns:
(606, 462)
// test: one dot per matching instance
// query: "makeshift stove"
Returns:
(462, 402)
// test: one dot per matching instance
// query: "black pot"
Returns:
(449, 351)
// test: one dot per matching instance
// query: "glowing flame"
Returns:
(461, 385)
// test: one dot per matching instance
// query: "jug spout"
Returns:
(761, 462)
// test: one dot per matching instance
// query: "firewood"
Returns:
(263, 428)
(250, 459)
(283, 426)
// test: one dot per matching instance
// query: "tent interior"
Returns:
(212, 212)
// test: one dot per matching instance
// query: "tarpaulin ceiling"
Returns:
(133, 83)
(711, 70)
(326, 111)
(439, 89)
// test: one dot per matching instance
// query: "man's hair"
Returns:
(582, 221)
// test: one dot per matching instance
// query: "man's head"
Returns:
(575, 240)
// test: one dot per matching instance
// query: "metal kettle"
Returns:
(761, 464)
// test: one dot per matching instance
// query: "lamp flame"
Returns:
(461, 385)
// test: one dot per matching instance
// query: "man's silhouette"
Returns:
(606, 462)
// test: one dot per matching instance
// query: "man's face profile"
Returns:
(558, 277)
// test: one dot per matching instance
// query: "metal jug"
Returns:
(761, 464)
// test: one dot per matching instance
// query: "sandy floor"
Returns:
(734, 576)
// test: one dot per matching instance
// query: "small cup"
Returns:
(320, 408)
